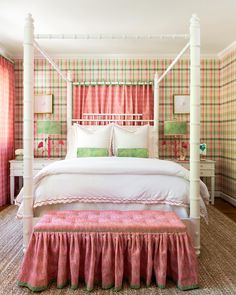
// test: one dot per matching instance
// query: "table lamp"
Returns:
(175, 128)
(47, 128)
(203, 151)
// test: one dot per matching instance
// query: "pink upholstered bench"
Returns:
(108, 247)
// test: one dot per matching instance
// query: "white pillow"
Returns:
(88, 137)
(153, 142)
(71, 143)
(128, 137)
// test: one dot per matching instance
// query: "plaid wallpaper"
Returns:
(47, 81)
(227, 136)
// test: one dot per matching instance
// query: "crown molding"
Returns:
(113, 56)
(117, 56)
(5, 53)
(227, 50)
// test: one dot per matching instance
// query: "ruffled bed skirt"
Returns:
(108, 259)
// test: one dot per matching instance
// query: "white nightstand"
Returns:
(16, 169)
(207, 169)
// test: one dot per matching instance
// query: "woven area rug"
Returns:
(217, 262)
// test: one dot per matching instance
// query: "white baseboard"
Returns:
(225, 197)
(218, 194)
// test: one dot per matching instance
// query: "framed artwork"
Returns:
(43, 104)
(181, 104)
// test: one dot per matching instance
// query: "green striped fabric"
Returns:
(133, 152)
(92, 152)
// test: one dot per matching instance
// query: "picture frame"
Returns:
(181, 104)
(43, 104)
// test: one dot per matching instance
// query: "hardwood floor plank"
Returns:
(226, 208)
(3, 207)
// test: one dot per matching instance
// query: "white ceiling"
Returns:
(217, 17)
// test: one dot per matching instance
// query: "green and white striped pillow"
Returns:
(92, 152)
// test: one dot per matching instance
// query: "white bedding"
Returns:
(182, 212)
(113, 180)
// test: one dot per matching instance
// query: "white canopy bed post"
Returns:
(28, 128)
(156, 112)
(195, 128)
(69, 101)
(194, 45)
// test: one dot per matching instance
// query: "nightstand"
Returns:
(16, 169)
(207, 169)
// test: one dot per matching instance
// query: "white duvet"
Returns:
(113, 180)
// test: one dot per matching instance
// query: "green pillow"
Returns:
(92, 152)
(135, 152)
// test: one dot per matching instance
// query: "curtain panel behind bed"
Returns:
(6, 125)
(116, 99)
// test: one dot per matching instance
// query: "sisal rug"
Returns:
(217, 262)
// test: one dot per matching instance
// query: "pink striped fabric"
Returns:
(6, 126)
(113, 99)
(108, 247)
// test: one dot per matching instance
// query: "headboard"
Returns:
(133, 120)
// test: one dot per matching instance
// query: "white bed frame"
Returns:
(193, 222)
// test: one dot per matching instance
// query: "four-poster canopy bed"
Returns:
(193, 222)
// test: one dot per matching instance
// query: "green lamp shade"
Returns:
(48, 127)
(175, 128)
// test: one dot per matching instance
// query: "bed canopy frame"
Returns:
(193, 222)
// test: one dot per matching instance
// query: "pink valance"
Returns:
(114, 99)
(108, 256)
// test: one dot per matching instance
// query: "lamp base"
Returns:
(183, 154)
(175, 149)
(49, 147)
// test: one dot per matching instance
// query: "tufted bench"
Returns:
(107, 247)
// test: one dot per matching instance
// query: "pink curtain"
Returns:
(113, 99)
(6, 126)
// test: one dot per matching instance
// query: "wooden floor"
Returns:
(226, 208)
(3, 207)
(220, 204)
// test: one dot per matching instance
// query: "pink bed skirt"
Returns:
(71, 246)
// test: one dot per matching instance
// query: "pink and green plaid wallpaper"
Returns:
(47, 81)
(227, 136)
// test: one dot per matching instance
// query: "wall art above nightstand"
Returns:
(43, 104)
(181, 104)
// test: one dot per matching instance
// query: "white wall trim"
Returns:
(227, 50)
(227, 198)
(118, 56)
(111, 56)
(217, 194)
(5, 53)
